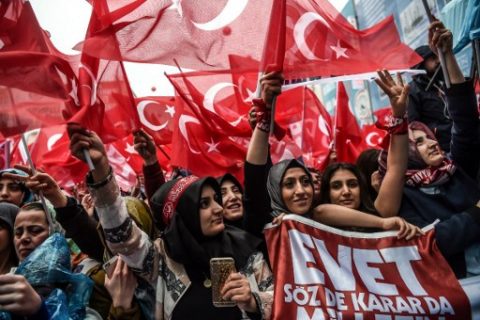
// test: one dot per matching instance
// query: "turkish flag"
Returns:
(156, 117)
(197, 34)
(373, 135)
(321, 42)
(103, 86)
(41, 87)
(211, 96)
(203, 152)
(349, 142)
(36, 86)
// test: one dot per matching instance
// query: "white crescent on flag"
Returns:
(299, 33)
(369, 138)
(323, 126)
(53, 139)
(141, 106)
(232, 10)
(209, 98)
(93, 90)
(182, 124)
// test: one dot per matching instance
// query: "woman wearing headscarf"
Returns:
(232, 199)
(177, 265)
(42, 286)
(87, 233)
(289, 183)
(435, 185)
(12, 190)
(8, 257)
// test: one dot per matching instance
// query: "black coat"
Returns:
(430, 108)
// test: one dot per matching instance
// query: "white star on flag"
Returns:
(339, 50)
(130, 149)
(177, 5)
(170, 110)
(212, 146)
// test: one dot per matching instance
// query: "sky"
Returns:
(67, 20)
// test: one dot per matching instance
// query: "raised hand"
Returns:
(145, 146)
(40, 182)
(81, 139)
(271, 85)
(397, 91)
(439, 37)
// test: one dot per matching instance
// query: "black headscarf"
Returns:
(274, 183)
(185, 242)
(230, 177)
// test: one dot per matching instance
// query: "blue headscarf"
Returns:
(28, 194)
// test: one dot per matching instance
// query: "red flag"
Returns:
(349, 141)
(156, 116)
(198, 34)
(42, 88)
(211, 96)
(202, 151)
(321, 42)
(374, 136)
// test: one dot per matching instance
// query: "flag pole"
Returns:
(42, 198)
(441, 54)
(88, 159)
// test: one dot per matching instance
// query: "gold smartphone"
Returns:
(220, 269)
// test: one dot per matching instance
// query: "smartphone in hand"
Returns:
(220, 269)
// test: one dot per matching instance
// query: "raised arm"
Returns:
(271, 86)
(257, 164)
(462, 105)
(390, 193)
(340, 216)
(70, 214)
(152, 172)
(121, 233)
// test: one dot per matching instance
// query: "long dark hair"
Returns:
(12, 256)
(366, 203)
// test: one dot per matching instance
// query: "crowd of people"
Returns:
(101, 254)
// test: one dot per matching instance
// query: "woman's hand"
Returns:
(145, 146)
(41, 182)
(439, 37)
(397, 92)
(80, 140)
(17, 295)
(237, 289)
(121, 285)
(88, 205)
(406, 230)
(278, 219)
(271, 84)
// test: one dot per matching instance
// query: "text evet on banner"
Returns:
(326, 273)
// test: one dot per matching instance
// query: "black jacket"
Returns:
(430, 108)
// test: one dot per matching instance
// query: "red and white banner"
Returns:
(325, 273)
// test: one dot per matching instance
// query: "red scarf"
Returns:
(431, 176)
